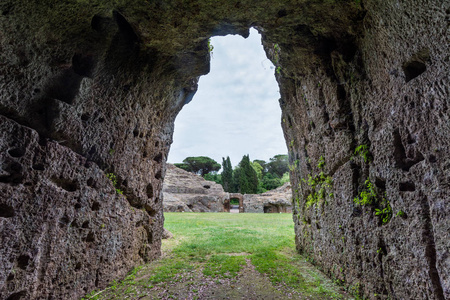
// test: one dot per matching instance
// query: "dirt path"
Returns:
(248, 284)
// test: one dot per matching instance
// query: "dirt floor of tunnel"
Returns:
(226, 256)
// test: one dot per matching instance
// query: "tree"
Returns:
(286, 178)
(258, 169)
(248, 179)
(278, 165)
(270, 182)
(235, 186)
(201, 165)
(217, 178)
(227, 174)
(183, 166)
(263, 164)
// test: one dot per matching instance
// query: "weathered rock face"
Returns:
(63, 227)
(80, 99)
(388, 90)
(278, 200)
(90, 88)
(187, 192)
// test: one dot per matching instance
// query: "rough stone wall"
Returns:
(64, 229)
(81, 97)
(187, 192)
(90, 88)
(278, 200)
(387, 89)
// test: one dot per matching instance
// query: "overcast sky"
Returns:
(235, 110)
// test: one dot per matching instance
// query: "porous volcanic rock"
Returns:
(274, 201)
(61, 197)
(387, 90)
(91, 88)
(187, 192)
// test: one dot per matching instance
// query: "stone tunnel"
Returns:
(89, 91)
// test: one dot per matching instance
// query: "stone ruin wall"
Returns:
(187, 192)
(278, 200)
(91, 89)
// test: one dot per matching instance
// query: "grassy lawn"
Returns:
(216, 247)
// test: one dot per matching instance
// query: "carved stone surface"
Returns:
(64, 227)
(91, 88)
(278, 200)
(389, 92)
(187, 192)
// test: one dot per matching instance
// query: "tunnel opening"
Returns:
(234, 113)
(235, 110)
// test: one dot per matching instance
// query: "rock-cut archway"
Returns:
(89, 92)
(239, 199)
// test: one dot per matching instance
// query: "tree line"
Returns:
(248, 177)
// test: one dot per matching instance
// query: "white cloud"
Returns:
(235, 111)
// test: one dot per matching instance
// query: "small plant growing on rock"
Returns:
(363, 151)
(367, 196)
(276, 50)
(276, 57)
(385, 213)
(113, 179)
(321, 163)
(401, 214)
(294, 166)
(210, 46)
(319, 185)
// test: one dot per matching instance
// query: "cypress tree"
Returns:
(248, 179)
(235, 187)
(227, 174)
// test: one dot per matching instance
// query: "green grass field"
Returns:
(219, 246)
